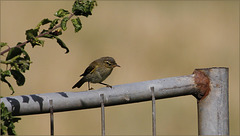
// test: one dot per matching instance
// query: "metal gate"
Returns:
(209, 86)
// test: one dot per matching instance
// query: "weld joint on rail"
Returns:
(202, 82)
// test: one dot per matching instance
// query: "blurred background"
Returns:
(149, 39)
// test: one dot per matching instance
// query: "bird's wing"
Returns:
(88, 70)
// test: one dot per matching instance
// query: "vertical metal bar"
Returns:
(153, 113)
(102, 114)
(51, 117)
(213, 110)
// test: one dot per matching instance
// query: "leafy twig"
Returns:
(40, 35)
(18, 58)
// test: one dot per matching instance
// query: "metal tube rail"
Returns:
(119, 94)
(209, 86)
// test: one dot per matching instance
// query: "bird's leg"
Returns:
(89, 88)
(106, 85)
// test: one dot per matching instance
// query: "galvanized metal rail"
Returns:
(209, 86)
(213, 110)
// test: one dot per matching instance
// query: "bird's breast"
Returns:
(99, 75)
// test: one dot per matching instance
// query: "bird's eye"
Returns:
(109, 63)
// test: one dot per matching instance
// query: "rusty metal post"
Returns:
(213, 108)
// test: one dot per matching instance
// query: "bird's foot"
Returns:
(90, 88)
(109, 86)
(106, 85)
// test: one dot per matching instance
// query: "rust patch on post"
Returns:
(203, 84)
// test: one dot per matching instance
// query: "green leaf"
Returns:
(19, 77)
(21, 46)
(31, 33)
(13, 52)
(10, 86)
(5, 74)
(23, 64)
(3, 129)
(40, 42)
(15, 119)
(64, 23)
(47, 35)
(43, 22)
(7, 121)
(62, 44)
(18, 58)
(52, 35)
(4, 111)
(83, 7)
(26, 56)
(11, 131)
(31, 37)
(2, 44)
(61, 13)
(54, 22)
(77, 24)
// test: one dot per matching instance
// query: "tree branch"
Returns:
(40, 35)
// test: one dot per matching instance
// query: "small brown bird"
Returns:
(97, 72)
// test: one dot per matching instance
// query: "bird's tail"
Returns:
(79, 83)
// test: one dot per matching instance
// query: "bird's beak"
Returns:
(117, 65)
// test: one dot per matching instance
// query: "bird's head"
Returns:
(109, 62)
